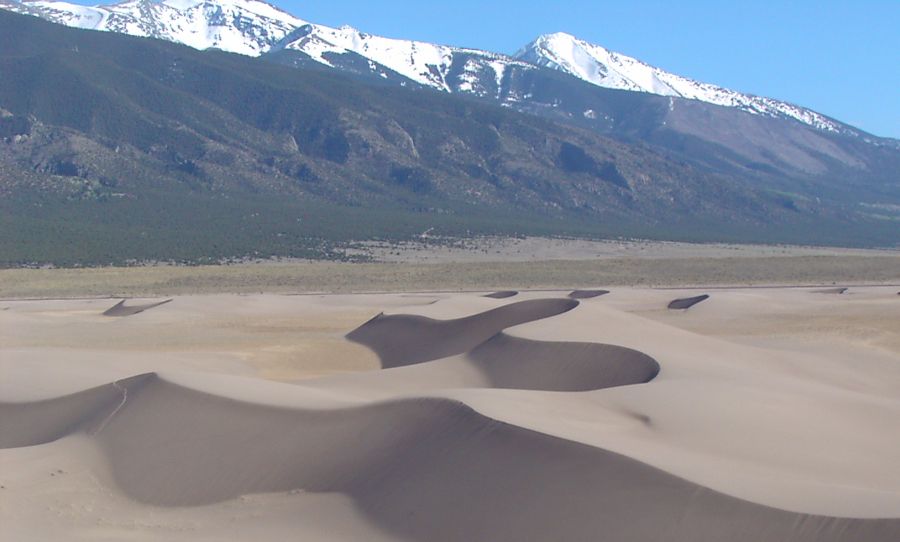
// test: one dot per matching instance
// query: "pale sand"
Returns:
(773, 417)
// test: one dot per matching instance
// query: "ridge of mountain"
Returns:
(254, 28)
(609, 69)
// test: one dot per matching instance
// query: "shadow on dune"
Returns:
(119, 309)
(503, 294)
(422, 469)
(404, 339)
(687, 302)
(587, 294)
(503, 360)
(515, 363)
(836, 291)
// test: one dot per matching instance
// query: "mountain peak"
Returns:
(557, 36)
(600, 66)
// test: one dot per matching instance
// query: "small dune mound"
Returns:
(512, 362)
(587, 294)
(503, 294)
(835, 291)
(119, 309)
(402, 339)
(419, 469)
(687, 302)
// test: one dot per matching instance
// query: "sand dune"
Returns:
(687, 302)
(408, 339)
(119, 309)
(541, 419)
(504, 362)
(171, 446)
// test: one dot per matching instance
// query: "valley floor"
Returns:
(481, 264)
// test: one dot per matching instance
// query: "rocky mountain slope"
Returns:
(556, 75)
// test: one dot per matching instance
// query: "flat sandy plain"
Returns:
(478, 264)
(762, 413)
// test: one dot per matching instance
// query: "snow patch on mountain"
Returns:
(425, 63)
(254, 27)
(421, 62)
(608, 69)
(248, 27)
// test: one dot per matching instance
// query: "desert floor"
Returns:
(757, 414)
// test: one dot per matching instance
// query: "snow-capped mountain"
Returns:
(92, 116)
(247, 27)
(254, 28)
(609, 69)
(446, 68)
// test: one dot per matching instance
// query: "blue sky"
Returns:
(839, 58)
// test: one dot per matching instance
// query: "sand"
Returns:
(759, 414)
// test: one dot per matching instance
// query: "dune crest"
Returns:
(39, 422)
(401, 339)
